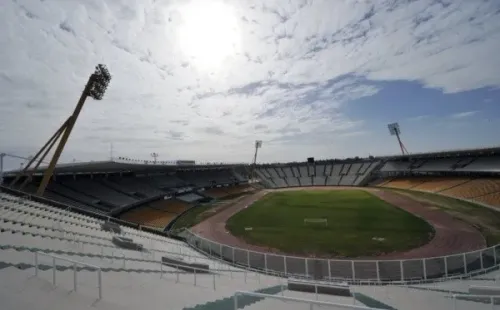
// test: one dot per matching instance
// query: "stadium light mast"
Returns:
(96, 87)
(394, 130)
(258, 145)
(2, 155)
(155, 156)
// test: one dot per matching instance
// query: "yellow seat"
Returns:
(491, 199)
(440, 184)
(474, 188)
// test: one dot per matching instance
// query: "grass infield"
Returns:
(359, 224)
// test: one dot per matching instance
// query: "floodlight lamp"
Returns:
(100, 82)
(394, 129)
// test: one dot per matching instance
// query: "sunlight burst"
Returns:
(209, 33)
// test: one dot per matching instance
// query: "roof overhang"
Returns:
(450, 153)
(101, 167)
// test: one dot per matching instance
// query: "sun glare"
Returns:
(208, 33)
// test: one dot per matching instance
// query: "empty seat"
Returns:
(405, 183)
(440, 184)
(216, 192)
(474, 188)
(491, 199)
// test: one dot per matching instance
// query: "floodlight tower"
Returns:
(96, 87)
(155, 156)
(2, 155)
(258, 145)
(394, 130)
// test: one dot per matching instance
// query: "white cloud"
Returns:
(462, 115)
(290, 70)
(419, 118)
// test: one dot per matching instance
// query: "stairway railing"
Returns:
(75, 270)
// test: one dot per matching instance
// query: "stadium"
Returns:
(284, 180)
(371, 232)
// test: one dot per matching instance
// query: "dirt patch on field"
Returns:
(451, 235)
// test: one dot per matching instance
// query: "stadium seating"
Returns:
(488, 164)
(163, 181)
(304, 173)
(492, 199)
(293, 182)
(156, 214)
(130, 279)
(474, 188)
(93, 187)
(190, 197)
(483, 190)
(305, 181)
(336, 168)
(116, 192)
(345, 169)
(318, 174)
(170, 205)
(280, 171)
(133, 185)
(206, 178)
(136, 279)
(238, 189)
(222, 176)
(56, 197)
(279, 182)
(273, 173)
(146, 216)
(319, 180)
(405, 183)
(437, 165)
(288, 172)
(347, 180)
(319, 170)
(440, 184)
(458, 164)
(62, 191)
(295, 171)
(354, 169)
(216, 192)
(333, 180)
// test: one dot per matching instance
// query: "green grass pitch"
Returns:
(359, 224)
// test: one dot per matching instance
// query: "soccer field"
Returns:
(359, 224)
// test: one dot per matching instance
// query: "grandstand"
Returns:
(114, 187)
(57, 259)
(157, 214)
(142, 194)
(227, 191)
(470, 174)
(317, 174)
(144, 199)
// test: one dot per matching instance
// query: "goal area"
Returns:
(316, 221)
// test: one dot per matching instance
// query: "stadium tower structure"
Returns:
(394, 130)
(95, 88)
(258, 145)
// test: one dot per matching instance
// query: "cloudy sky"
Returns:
(204, 79)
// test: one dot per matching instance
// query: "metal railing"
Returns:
(217, 276)
(318, 285)
(380, 271)
(310, 302)
(488, 299)
(75, 270)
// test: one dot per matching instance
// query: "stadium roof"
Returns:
(451, 153)
(117, 166)
(144, 166)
